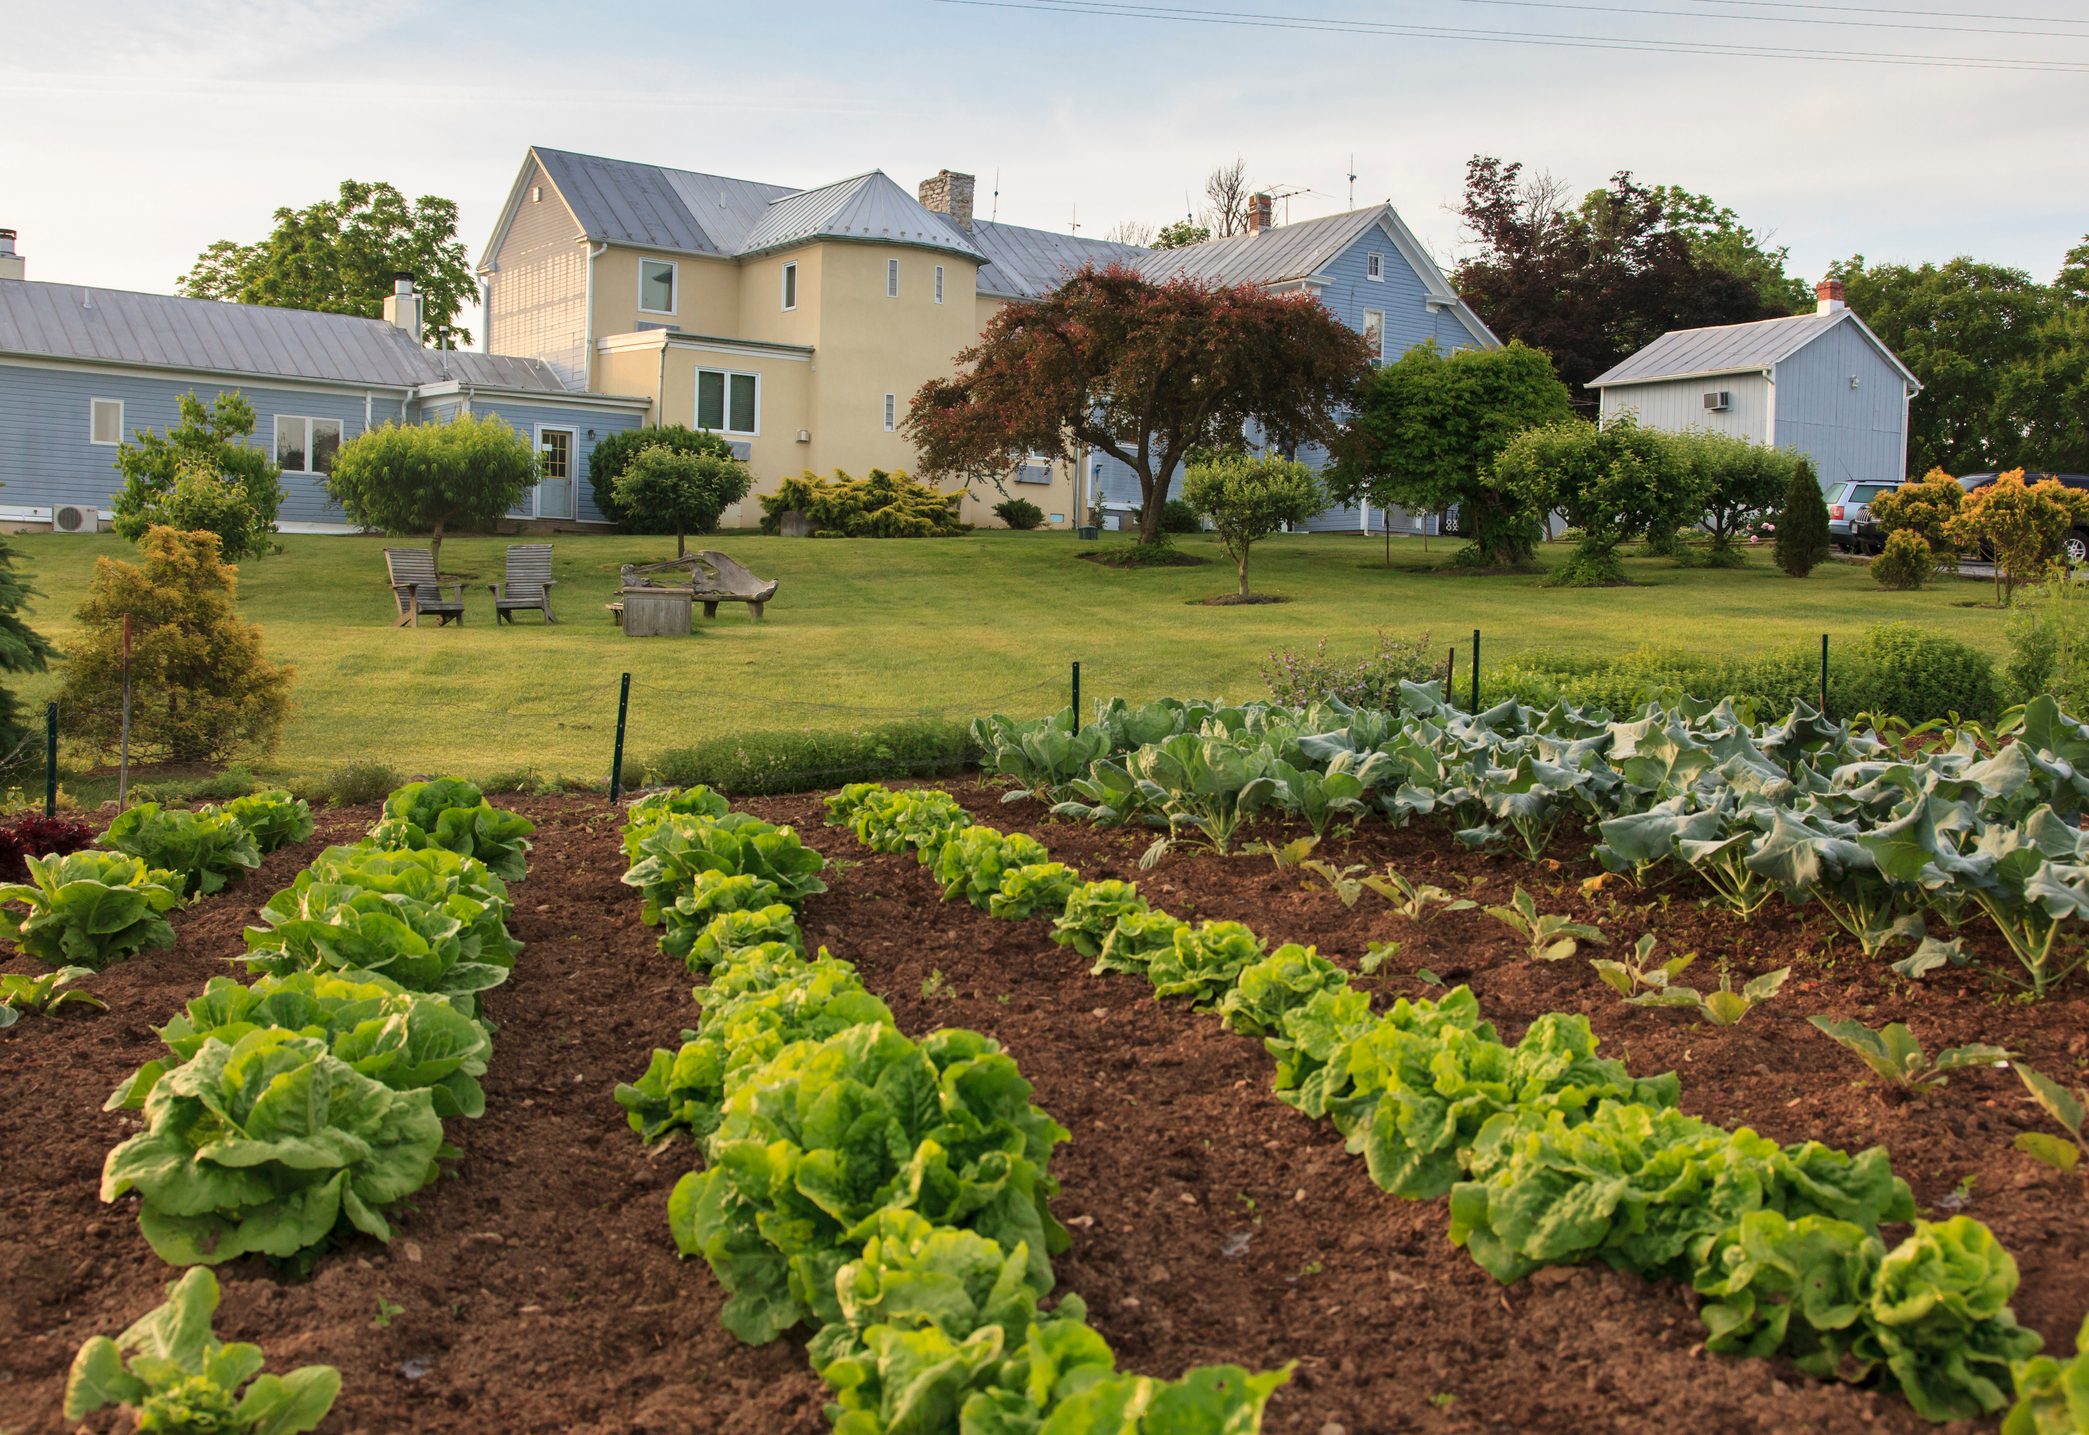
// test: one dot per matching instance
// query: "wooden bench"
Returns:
(418, 590)
(527, 584)
(709, 578)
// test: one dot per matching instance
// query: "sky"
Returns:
(136, 134)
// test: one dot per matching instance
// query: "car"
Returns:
(1849, 513)
(2075, 548)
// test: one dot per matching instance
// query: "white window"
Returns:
(105, 421)
(555, 453)
(656, 286)
(1374, 332)
(892, 279)
(790, 286)
(306, 445)
(891, 411)
(728, 401)
(939, 283)
(1374, 267)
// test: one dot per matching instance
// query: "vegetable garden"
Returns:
(1205, 1069)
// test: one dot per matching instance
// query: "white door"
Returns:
(554, 495)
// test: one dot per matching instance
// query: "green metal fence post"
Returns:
(1824, 675)
(1077, 697)
(616, 766)
(1476, 670)
(50, 759)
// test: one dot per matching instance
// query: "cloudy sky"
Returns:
(135, 133)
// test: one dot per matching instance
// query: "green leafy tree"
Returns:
(1964, 329)
(1802, 523)
(433, 478)
(1425, 433)
(1743, 483)
(201, 687)
(338, 256)
(22, 648)
(614, 451)
(683, 490)
(1145, 372)
(2021, 524)
(1611, 481)
(1247, 499)
(2050, 389)
(1181, 234)
(201, 474)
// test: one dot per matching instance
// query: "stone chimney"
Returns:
(10, 262)
(948, 192)
(1828, 293)
(403, 306)
(1261, 213)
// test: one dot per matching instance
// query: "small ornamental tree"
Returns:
(433, 478)
(22, 648)
(2021, 524)
(1743, 482)
(614, 451)
(1802, 523)
(682, 490)
(201, 474)
(1925, 508)
(1612, 482)
(1145, 372)
(201, 689)
(1905, 561)
(1248, 499)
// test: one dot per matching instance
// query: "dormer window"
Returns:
(656, 286)
(1374, 267)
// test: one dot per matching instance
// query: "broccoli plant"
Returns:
(1640, 972)
(1415, 901)
(176, 1376)
(2064, 1106)
(1551, 938)
(1723, 1007)
(1897, 1057)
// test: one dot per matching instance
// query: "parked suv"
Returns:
(2076, 547)
(1849, 514)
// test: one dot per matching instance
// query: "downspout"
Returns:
(1907, 400)
(587, 323)
(1770, 383)
(660, 387)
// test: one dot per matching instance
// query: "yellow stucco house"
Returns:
(799, 323)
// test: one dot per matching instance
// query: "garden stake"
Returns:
(1476, 670)
(1450, 670)
(1824, 675)
(1077, 697)
(50, 759)
(616, 766)
(123, 761)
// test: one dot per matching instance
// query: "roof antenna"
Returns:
(1352, 179)
(994, 212)
(1077, 219)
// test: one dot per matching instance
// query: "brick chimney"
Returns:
(948, 192)
(1828, 293)
(1261, 213)
(11, 266)
(403, 306)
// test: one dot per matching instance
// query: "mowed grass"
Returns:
(863, 631)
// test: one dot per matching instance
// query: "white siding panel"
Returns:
(1678, 405)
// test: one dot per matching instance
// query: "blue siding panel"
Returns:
(589, 425)
(1850, 433)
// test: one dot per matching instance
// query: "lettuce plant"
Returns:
(1032, 889)
(1311, 1046)
(20, 993)
(177, 1377)
(89, 908)
(1135, 940)
(1774, 1286)
(648, 812)
(333, 927)
(1281, 982)
(711, 894)
(1940, 1322)
(404, 1039)
(674, 852)
(452, 814)
(818, 1140)
(207, 848)
(972, 863)
(462, 886)
(274, 817)
(2052, 1395)
(728, 933)
(1091, 912)
(1202, 963)
(267, 1146)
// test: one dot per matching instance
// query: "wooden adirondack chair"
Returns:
(528, 583)
(418, 590)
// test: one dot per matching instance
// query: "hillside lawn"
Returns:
(863, 631)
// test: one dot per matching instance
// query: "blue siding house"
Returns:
(84, 369)
(1369, 270)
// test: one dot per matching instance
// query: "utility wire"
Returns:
(1895, 10)
(1266, 21)
(1781, 19)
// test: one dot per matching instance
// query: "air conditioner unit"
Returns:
(73, 518)
(1718, 401)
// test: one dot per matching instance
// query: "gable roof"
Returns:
(1285, 251)
(116, 326)
(867, 206)
(1027, 263)
(647, 205)
(1737, 349)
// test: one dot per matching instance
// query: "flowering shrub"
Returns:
(1296, 679)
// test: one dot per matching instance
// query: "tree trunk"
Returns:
(1243, 570)
(435, 548)
(1151, 516)
(681, 548)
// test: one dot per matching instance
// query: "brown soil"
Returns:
(540, 1292)
(1159, 556)
(1238, 600)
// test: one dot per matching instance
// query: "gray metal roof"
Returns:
(866, 206)
(1026, 263)
(1288, 251)
(655, 208)
(115, 326)
(1733, 349)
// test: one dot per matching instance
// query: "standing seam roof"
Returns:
(1723, 349)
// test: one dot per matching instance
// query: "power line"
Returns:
(1894, 10)
(1118, 9)
(1781, 19)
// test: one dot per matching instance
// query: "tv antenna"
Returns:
(994, 213)
(1352, 179)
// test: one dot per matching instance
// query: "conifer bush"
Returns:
(1802, 524)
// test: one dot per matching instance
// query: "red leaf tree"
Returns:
(1142, 371)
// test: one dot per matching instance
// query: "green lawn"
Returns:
(862, 631)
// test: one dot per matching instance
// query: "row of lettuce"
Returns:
(887, 1192)
(1898, 849)
(1551, 1155)
(296, 1109)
